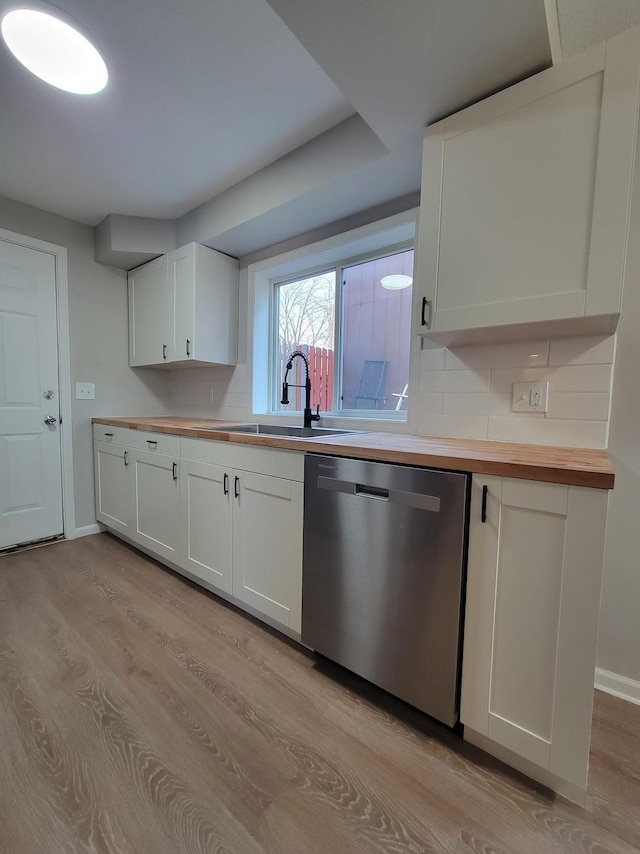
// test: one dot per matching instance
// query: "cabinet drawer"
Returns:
(268, 461)
(113, 435)
(161, 443)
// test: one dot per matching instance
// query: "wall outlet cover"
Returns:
(530, 397)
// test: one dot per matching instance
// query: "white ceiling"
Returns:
(204, 94)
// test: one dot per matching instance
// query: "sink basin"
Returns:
(291, 431)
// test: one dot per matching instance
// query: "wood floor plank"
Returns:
(141, 714)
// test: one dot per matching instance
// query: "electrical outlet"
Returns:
(85, 391)
(530, 397)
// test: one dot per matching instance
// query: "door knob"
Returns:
(50, 419)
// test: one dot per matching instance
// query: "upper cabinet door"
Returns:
(182, 286)
(149, 314)
(525, 201)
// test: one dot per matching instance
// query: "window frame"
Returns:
(338, 268)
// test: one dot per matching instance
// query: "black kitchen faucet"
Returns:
(308, 415)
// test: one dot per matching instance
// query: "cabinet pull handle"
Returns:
(175, 471)
(426, 303)
(188, 347)
(152, 442)
(225, 483)
(483, 515)
(126, 458)
(110, 435)
(164, 351)
(236, 486)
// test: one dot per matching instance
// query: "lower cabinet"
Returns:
(267, 546)
(207, 519)
(115, 486)
(158, 525)
(231, 516)
(533, 594)
(228, 515)
(242, 527)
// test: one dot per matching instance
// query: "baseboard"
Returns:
(619, 686)
(87, 530)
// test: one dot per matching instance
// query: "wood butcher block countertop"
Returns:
(574, 466)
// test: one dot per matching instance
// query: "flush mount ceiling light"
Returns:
(54, 51)
(396, 282)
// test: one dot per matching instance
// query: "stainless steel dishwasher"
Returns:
(384, 561)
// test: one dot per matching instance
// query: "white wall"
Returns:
(98, 340)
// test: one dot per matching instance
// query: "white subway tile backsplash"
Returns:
(519, 354)
(455, 426)
(429, 403)
(584, 405)
(476, 403)
(432, 358)
(503, 378)
(447, 381)
(230, 399)
(549, 431)
(594, 350)
(464, 392)
(581, 378)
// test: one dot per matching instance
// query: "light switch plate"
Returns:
(85, 391)
(530, 397)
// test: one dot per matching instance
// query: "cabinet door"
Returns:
(204, 286)
(531, 620)
(182, 283)
(207, 518)
(525, 198)
(114, 487)
(149, 314)
(158, 524)
(267, 546)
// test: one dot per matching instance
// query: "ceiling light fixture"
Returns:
(396, 282)
(54, 51)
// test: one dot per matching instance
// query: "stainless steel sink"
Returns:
(291, 431)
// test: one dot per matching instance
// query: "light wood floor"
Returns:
(140, 714)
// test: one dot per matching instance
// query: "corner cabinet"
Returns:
(183, 308)
(533, 595)
(524, 215)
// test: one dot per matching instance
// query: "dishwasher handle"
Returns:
(394, 496)
(371, 491)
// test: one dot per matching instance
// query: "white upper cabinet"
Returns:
(149, 313)
(183, 307)
(525, 203)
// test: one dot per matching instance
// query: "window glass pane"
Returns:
(306, 321)
(376, 334)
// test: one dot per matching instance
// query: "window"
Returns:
(354, 330)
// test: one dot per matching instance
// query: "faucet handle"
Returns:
(316, 415)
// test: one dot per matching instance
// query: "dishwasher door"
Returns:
(384, 553)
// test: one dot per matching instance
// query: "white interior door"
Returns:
(30, 457)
